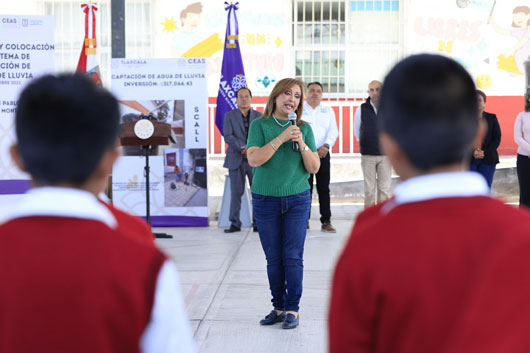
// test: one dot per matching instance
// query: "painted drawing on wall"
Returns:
(198, 28)
(512, 60)
(187, 42)
(490, 38)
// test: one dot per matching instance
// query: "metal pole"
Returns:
(117, 12)
(147, 200)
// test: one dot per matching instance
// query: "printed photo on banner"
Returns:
(162, 110)
(185, 177)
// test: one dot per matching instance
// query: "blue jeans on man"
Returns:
(282, 223)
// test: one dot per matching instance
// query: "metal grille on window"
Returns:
(346, 44)
(319, 42)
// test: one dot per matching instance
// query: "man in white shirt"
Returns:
(322, 121)
(376, 167)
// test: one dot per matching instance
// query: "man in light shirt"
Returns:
(376, 167)
(322, 121)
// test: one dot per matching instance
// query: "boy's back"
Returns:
(71, 280)
(132, 226)
(414, 269)
(409, 271)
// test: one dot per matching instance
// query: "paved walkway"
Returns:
(225, 286)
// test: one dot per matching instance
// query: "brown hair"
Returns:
(279, 88)
(479, 92)
(196, 7)
(523, 9)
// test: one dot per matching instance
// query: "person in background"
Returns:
(235, 126)
(411, 273)
(99, 290)
(522, 139)
(322, 121)
(377, 171)
(280, 194)
(485, 155)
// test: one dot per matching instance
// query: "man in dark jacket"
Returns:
(376, 167)
(235, 127)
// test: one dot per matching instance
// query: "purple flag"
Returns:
(232, 72)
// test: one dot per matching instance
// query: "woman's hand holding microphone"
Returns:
(292, 133)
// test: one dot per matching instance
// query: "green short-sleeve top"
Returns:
(284, 173)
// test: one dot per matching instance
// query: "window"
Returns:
(346, 44)
(319, 42)
(70, 30)
(138, 31)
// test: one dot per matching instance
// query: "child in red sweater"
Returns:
(415, 265)
(71, 280)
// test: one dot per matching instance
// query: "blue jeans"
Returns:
(282, 226)
(486, 170)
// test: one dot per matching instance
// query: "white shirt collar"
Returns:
(308, 107)
(63, 202)
(434, 186)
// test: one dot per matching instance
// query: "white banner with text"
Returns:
(172, 91)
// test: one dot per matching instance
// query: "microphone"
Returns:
(292, 119)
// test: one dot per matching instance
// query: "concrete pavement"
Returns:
(224, 278)
(225, 287)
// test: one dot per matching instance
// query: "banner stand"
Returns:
(245, 214)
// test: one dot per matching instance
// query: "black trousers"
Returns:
(523, 174)
(237, 188)
(322, 177)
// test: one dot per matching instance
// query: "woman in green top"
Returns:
(280, 194)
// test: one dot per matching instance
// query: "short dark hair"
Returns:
(243, 88)
(315, 83)
(64, 125)
(482, 94)
(429, 107)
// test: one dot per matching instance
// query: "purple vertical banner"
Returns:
(232, 71)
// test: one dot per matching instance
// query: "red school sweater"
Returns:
(73, 285)
(406, 278)
(132, 226)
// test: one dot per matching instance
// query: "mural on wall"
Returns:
(197, 29)
(515, 56)
(187, 42)
(490, 39)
